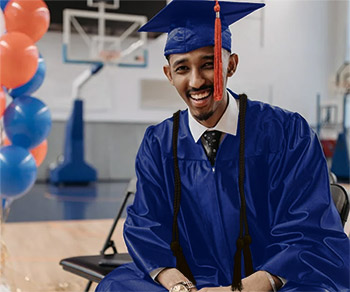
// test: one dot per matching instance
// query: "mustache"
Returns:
(204, 87)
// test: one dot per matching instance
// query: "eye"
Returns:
(208, 65)
(181, 69)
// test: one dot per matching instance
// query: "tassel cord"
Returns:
(218, 78)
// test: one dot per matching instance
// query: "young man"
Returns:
(228, 188)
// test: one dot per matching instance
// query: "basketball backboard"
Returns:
(98, 36)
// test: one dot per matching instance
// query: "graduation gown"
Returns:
(295, 228)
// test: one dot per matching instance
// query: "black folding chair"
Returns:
(95, 267)
(332, 178)
(341, 200)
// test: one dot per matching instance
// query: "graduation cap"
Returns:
(193, 24)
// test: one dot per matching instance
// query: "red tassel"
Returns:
(218, 82)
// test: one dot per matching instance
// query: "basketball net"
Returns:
(109, 56)
(114, 56)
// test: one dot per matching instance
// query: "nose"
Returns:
(196, 79)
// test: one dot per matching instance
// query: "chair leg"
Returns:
(88, 286)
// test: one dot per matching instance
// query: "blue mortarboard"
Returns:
(190, 23)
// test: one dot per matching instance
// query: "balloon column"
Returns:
(26, 120)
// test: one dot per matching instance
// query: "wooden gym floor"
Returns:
(51, 223)
(33, 246)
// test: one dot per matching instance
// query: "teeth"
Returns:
(199, 96)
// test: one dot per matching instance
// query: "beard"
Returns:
(204, 116)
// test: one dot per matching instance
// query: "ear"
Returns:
(167, 72)
(232, 65)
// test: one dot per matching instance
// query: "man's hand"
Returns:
(255, 282)
(170, 277)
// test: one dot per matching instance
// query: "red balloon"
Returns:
(18, 58)
(31, 17)
(7, 142)
(2, 102)
(39, 152)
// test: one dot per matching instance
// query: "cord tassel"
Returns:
(237, 273)
(218, 80)
(242, 244)
(248, 263)
(181, 263)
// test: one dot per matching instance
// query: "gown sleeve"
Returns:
(307, 243)
(147, 239)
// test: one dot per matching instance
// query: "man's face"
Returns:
(192, 74)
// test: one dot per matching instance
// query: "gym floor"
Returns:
(51, 223)
(46, 202)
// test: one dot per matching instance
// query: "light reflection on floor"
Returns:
(46, 202)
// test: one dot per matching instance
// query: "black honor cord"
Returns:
(181, 263)
(244, 240)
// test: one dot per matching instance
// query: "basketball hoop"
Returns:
(115, 56)
(108, 56)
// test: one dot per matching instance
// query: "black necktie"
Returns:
(211, 142)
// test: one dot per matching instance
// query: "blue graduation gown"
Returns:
(295, 228)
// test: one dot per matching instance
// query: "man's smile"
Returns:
(200, 97)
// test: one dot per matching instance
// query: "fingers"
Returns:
(216, 289)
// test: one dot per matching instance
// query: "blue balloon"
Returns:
(27, 121)
(3, 4)
(33, 84)
(17, 171)
(4, 203)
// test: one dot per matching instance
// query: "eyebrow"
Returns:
(208, 57)
(178, 62)
(184, 60)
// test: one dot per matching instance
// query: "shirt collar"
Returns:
(227, 123)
